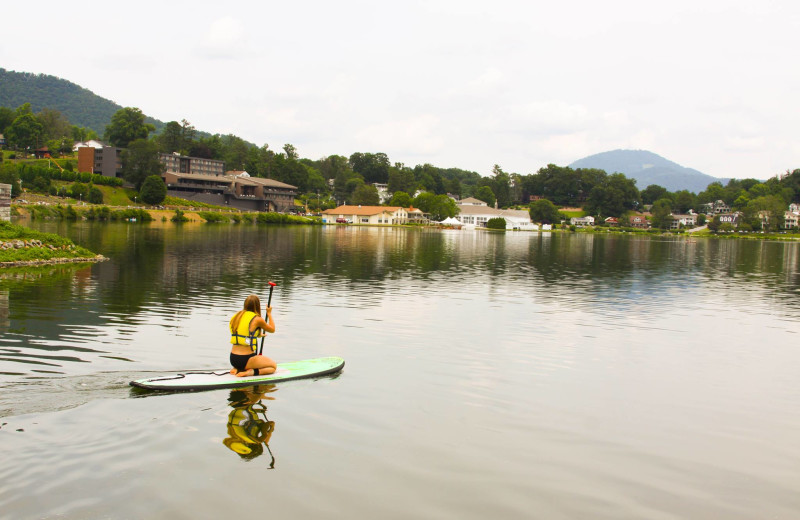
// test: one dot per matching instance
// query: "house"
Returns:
(683, 221)
(386, 215)
(719, 206)
(474, 212)
(582, 221)
(790, 219)
(41, 153)
(612, 221)
(383, 192)
(729, 218)
(471, 201)
(638, 222)
(2, 140)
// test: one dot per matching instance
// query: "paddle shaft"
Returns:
(269, 304)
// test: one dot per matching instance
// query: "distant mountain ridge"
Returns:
(81, 106)
(649, 168)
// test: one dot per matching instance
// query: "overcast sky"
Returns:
(711, 85)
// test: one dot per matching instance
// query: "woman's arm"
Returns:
(267, 325)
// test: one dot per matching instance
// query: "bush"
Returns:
(179, 216)
(210, 216)
(153, 190)
(496, 223)
(95, 195)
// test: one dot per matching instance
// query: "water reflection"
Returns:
(249, 429)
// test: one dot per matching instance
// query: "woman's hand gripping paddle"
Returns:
(269, 304)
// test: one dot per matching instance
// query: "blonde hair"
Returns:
(252, 304)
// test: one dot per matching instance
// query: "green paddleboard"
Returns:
(207, 380)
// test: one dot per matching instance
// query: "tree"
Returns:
(442, 207)
(54, 124)
(654, 192)
(6, 118)
(291, 152)
(401, 198)
(140, 161)
(373, 167)
(127, 125)
(95, 195)
(171, 138)
(485, 194)
(25, 131)
(661, 214)
(402, 179)
(153, 191)
(615, 196)
(544, 211)
(366, 195)
(684, 201)
(501, 186)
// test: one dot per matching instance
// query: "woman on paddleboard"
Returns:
(246, 327)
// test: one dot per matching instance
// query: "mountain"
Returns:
(649, 168)
(81, 106)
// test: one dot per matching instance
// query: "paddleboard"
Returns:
(207, 380)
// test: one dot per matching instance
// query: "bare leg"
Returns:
(264, 365)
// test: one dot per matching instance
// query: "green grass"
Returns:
(65, 247)
(573, 214)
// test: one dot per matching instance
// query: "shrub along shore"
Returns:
(23, 246)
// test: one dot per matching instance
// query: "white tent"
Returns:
(450, 221)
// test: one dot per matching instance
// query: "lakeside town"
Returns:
(176, 168)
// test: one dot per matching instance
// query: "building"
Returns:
(2, 141)
(715, 208)
(5, 202)
(236, 189)
(729, 218)
(100, 159)
(638, 222)
(474, 212)
(683, 221)
(582, 221)
(611, 221)
(177, 163)
(791, 219)
(383, 192)
(386, 215)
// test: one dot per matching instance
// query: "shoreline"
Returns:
(54, 261)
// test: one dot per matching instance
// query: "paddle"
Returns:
(269, 304)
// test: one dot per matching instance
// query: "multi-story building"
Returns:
(98, 158)
(177, 163)
(236, 189)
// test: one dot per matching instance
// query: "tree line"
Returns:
(338, 179)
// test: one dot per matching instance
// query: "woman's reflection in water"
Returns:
(249, 430)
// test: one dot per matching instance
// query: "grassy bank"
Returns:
(20, 245)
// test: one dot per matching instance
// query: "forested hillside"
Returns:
(82, 107)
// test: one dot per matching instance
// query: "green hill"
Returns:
(81, 106)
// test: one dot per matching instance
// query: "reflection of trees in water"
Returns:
(172, 264)
(249, 429)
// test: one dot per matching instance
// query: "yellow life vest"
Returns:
(242, 335)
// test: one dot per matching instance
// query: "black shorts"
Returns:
(239, 361)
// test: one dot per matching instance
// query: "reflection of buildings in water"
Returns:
(249, 429)
(5, 322)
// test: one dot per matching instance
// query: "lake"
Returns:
(510, 375)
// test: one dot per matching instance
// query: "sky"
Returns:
(712, 85)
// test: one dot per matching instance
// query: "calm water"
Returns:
(505, 376)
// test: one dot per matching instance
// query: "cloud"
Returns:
(417, 135)
(224, 39)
